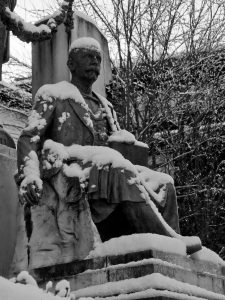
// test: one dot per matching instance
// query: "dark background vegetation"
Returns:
(184, 108)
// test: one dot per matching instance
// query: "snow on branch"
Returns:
(29, 32)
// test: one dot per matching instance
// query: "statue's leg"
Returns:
(170, 210)
(130, 217)
(124, 209)
(20, 258)
(44, 242)
(143, 219)
(114, 225)
(63, 229)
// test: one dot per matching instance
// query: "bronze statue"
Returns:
(4, 38)
(59, 211)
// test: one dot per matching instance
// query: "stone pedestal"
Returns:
(152, 269)
(8, 208)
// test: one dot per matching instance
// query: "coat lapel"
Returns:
(83, 114)
(110, 113)
(81, 109)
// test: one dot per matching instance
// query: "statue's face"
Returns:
(85, 64)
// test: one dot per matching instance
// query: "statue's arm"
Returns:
(30, 142)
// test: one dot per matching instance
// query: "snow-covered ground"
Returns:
(139, 288)
(24, 287)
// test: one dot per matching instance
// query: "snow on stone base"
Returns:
(208, 255)
(144, 285)
(17, 291)
(150, 293)
(124, 136)
(139, 242)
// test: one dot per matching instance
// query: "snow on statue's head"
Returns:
(87, 43)
(84, 60)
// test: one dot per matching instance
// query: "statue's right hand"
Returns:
(30, 194)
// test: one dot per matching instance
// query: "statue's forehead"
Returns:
(86, 43)
(85, 50)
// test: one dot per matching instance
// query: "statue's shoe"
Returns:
(193, 243)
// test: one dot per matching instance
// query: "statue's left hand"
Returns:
(30, 194)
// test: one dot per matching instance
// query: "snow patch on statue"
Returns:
(35, 120)
(139, 242)
(62, 90)
(97, 155)
(31, 172)
(35, 139)
(124, 136)
(85, 43)
(54, 154)
(75, 170)
(206, 254)
(63, 118)
(153, 178)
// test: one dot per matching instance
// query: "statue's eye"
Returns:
(99, 58)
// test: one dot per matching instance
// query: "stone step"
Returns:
(132, 296)
(211, 282)
(57, 272)
(176, 296)
(154, 286)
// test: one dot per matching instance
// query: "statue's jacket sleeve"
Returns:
(33, 135)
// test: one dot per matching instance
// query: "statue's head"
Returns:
(84, 59)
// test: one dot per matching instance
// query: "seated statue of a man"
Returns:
(74, 188)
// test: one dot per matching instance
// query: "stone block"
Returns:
(8, 207)
(43, 275)
(122, 272)
(101, 270)
(76, 267)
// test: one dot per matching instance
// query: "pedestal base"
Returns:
(148, 274)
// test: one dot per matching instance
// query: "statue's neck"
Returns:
(83, 87)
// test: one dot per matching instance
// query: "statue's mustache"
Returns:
(94, 68)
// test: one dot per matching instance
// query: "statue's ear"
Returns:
(70, 64)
